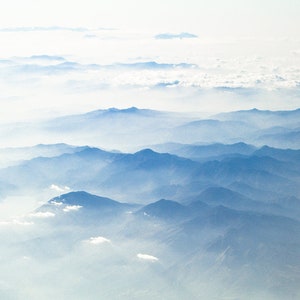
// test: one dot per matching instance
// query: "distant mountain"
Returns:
(223, 196)
(259, 172)
(182, 35)
(148, 159)
(276, 128)
(151, 65)
(254, 193)
(279, 154)
(133, 128)
(139, 174)
(216, 196)
(67, 169)
(253, 248)
(85, 200)
(10, 156)
(216, 217)
(102, 115)
(264, 118)
(269, 200)
(86, 208)
(213, 131)
(237, 248)
(116, 174)
(165, 210)
(229, 229)
(262, 234)
(288, 139)
(128, 129)
(146, 174)
(205, 152)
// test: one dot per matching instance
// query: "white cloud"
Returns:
(16, 222)
(147, 257)
(134, 78)
(42, 215)
(69, 208)
(98, 240)
(58, 188)
(55, 203)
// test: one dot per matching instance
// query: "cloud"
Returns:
(169, 36)
(98, 240)
(58, 188)
(55, 203)
(16, 222)
(51, 69)
(147, 257)
(141, 76)
(42, 215)
(47, 57)
(150, 65)
(69, 208)
(56, 72)
(37, 65)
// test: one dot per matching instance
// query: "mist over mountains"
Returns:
(150, 150)
(121, 129)
(152, 204)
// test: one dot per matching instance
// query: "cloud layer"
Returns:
(145, 72)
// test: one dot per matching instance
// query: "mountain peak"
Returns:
(132, 109)
(165, 209)
(146, 152)
(85, 199)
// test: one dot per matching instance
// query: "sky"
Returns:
(246, 54)
(207, 18)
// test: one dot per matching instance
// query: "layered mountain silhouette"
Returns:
(197, 236)
(185, 208)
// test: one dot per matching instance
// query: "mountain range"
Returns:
(142, 204)
(186, 242)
